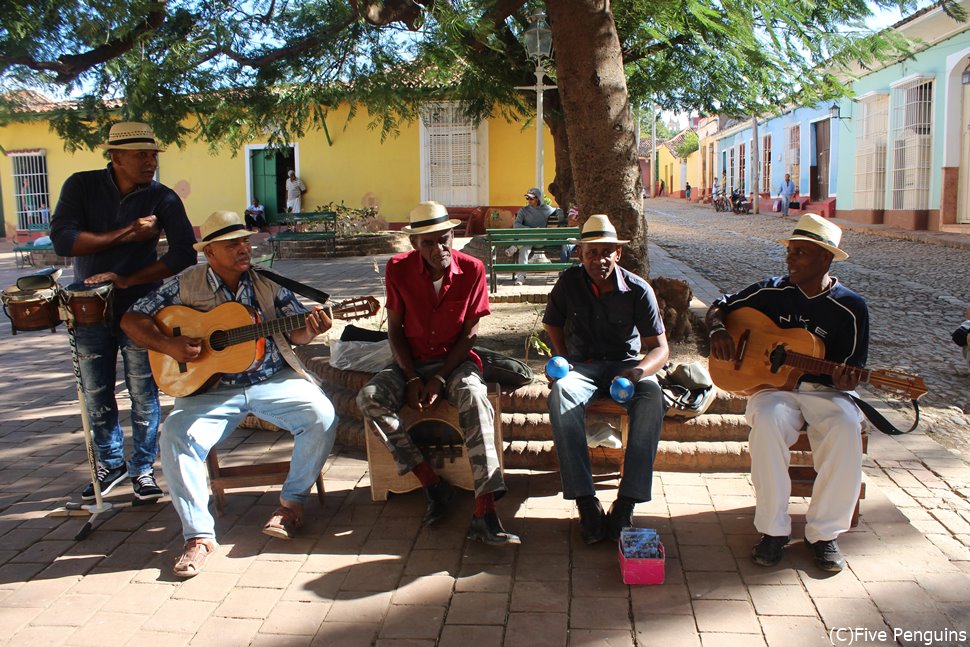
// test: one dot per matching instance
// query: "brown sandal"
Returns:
(284, 523)
(194, 555)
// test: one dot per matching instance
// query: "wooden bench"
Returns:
(306, 227)
(533, 237)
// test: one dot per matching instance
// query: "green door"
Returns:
(263, 165)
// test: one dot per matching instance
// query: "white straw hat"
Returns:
(429, 217)
(598, 229)
(818, 230)
(131, 136)
(221, 225)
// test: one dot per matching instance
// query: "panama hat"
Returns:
(429, 217)
(131, 136)
(818, 230)
(598, 229)
(221, 225)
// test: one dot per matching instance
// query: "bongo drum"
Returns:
(30, 309)
(86, 305)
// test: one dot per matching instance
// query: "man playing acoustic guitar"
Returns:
(277, 388)
(807, 298)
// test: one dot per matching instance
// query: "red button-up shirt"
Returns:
(433, 322)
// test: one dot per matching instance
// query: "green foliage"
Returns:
(272, 70)
(687, 145)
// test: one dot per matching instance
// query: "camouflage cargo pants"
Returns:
(382, 398)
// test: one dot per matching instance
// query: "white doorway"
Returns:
(963, 195)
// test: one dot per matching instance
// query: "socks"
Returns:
(484, 504)
(426, 474)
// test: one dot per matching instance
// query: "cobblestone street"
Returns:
(917, 293)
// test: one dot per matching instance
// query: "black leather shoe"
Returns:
(438, 495)
(620, 517)
(828, 557)
(489, 530)
(592, 521)
(768, 551)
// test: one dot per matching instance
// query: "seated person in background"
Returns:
(599, 317)
(435, 298)
(255, 216)
(534, 214)
(808, 297)
(277, 389)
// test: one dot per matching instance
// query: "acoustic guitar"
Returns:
(233, 340)
(769, 357)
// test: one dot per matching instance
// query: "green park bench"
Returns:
(306, 227)
(535, 237)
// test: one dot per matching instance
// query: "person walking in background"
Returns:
(687, 192)
(295, 188)
(110, 221)
(785, 192)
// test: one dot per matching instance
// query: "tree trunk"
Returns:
(592, 88)
(562, 187)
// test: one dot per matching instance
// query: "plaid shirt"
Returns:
(285, 301)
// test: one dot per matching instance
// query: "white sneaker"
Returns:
(512, 250)
(519, 280)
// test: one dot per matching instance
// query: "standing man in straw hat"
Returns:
(435, 298)
(277, 389)
(110, 220)
(601, 318)
(808, 297)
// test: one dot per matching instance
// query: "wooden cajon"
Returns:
(803, 476)
(452, 463)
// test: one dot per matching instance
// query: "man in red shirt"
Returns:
(435, 298)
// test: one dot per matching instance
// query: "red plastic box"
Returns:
(642, 571)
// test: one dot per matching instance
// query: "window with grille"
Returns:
(450, 145)
(742, 166)
(711, 167)
(731, 172)
(31, 194)
(870, 160)
(912, 105)
(766, 164)
(794, 152)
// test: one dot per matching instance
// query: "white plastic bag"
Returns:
(365, 356)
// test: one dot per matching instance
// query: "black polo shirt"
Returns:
(606, 326)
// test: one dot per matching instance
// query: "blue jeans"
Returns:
(199, 422)
(567, 412)
(97, 349)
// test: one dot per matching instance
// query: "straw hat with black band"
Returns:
(221, 225)
(597, 229)
(131, 136)
(816, 229)
(427, 218)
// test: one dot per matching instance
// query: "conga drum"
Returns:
(30, 309)
(87, 305)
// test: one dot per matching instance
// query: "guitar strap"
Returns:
(879, 421)
(300, 288)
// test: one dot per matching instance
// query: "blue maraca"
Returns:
(557, 367)
(621, 390)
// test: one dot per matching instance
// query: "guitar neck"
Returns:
(818, 366)
(265, 329)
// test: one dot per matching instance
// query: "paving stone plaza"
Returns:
(365, 573)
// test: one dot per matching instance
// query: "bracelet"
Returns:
(440, 379)
(411, 380)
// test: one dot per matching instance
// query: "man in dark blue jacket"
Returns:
(110, 221)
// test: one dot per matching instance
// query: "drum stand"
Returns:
(74, 509)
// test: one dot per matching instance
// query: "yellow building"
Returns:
(441, 157)
(677, 172)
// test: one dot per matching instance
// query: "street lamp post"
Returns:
(538, 46)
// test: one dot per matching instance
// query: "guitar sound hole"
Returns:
(218, 340)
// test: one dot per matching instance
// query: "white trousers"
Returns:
(834, 431)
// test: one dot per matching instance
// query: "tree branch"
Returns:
(70, 66)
